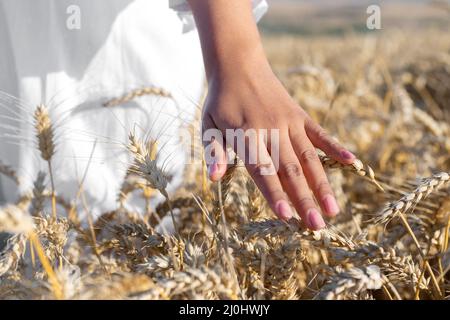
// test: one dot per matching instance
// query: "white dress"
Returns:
(75, 55)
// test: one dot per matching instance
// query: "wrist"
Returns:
(241, 64)
(229, 36)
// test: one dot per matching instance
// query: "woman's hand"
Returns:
(251, 97)
(245, 94)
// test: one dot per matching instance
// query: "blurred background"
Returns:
(311, 18)
(383, 93)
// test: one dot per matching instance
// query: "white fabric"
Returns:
(121, 45)
(185, 14)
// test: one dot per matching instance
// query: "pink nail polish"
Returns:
(283, 210)
(330, 204)
(347, 155)
(315, 219)
(213, 168)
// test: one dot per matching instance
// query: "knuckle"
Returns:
(291, 170)
(323, 135)
(261, 170)
(323, 188)
(297, 115)
(272, 118)
(335, 146)
(305, 203)
(296, 137)
(275, 195)
(332, 143)
(297, 134)
(308, 156)
(215, 113)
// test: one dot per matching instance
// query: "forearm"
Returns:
(229, 35)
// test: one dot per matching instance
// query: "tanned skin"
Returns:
(245, 93)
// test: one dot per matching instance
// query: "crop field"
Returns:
(384, 94)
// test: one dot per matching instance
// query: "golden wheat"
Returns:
(390, 107)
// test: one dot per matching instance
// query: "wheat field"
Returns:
(386, 98)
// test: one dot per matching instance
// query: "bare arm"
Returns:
(245, 94)
(228, 34)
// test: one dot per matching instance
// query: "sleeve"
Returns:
(183, 10)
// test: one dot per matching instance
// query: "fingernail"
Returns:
(283, 210)
(315, 219)
(330, 204)
(347, 155)
(213, 168)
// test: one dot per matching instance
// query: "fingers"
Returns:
(272, 191)
(322, 140)
(294, 182)
(314, 172)
(261, 168)
(215, 150)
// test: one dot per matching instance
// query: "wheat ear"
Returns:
(37, 203)
(357, 167)
(398, 208)
(351, 281)
(15, 220)
(424, 189)
(46, 136)
(145, 165)
(9, 172)
(136, 94)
